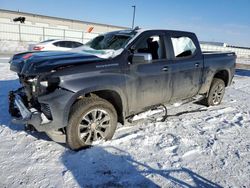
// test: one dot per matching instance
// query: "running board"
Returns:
(177, 104)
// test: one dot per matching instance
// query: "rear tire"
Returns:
(216, 92)
(90, 119)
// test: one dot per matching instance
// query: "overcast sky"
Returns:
(214, 20)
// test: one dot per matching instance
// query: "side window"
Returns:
(153, 45)
(76, 44)
(183, 46)
(57, 44)
(67, 44)
(64, 44)
(60, 44)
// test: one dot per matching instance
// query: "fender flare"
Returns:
(85, 91)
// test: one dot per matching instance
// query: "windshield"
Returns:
(107, 45)
(110, 41)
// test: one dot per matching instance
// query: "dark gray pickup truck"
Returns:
(80, 95)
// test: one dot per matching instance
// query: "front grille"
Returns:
(46, 110)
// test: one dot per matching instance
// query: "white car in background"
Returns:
(55, 45)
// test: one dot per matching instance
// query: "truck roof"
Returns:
(140, 30)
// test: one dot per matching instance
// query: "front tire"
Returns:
(216, 92)
(91, 119)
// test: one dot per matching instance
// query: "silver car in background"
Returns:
(55, 45)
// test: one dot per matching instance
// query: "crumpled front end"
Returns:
(40, 103)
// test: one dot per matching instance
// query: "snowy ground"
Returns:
(195, 147)
(13, 46)
(243, 61)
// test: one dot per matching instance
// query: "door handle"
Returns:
(165, 69)
(197, 65)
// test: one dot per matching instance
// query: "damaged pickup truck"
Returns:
(79, 96)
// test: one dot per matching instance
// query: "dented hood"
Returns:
(32, 63)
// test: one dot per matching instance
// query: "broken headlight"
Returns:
(48, 84)
(32, 84)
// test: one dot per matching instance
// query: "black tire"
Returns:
(216, 92)
(102, 114)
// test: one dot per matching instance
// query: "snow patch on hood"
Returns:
(104, 54)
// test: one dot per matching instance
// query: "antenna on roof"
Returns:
(133, 21)
(136, 28)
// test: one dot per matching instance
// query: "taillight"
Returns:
(27, 56)
(38, 48)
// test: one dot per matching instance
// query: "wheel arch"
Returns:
(224, 75)
(115, 97)
(209, 75)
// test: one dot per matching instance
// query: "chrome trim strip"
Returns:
(25, 113)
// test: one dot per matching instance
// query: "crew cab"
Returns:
(80, 95)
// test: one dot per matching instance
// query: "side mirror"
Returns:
(142, 58)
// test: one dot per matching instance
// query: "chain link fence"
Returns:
(33, 34)
(239, 52)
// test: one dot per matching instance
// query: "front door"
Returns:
(148, 83)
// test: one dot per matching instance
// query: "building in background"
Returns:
(28, 27)
(7, 16)
(19, 30)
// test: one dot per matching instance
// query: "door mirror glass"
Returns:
(142, 58)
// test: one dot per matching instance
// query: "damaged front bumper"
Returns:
(58, 103)
(27, 116)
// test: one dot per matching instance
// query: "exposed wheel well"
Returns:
(111, 96)
(114, 98)
(223, 74)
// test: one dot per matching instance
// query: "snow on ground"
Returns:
(195, 147)
(13, 46)
(243, 60)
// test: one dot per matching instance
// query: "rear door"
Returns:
(148, 83)
(185, 66)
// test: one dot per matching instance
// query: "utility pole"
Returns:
(133, 22)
